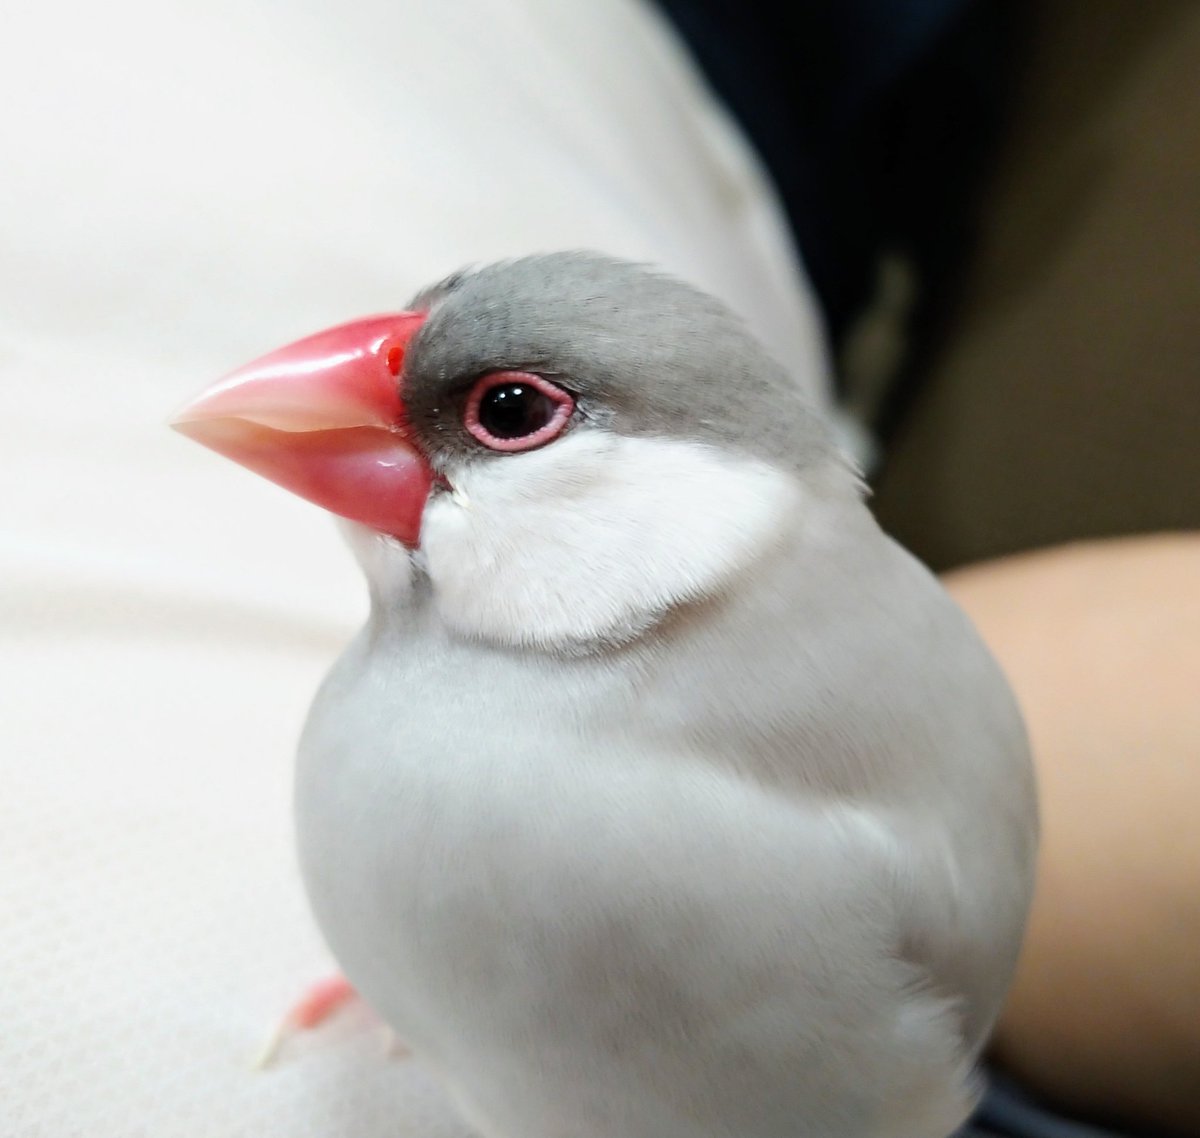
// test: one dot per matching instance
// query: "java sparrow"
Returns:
(663, 795)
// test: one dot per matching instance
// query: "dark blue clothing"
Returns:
(873, 118)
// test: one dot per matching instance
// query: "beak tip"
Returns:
(199, 409)
(192, 427)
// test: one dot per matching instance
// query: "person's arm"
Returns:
(1102, 644)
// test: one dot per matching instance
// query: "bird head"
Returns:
(566, 444)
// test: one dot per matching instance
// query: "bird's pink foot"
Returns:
(320, 1002)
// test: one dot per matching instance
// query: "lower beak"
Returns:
(324, 418)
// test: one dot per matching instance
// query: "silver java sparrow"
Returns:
(663, 795)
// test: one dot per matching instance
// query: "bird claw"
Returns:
(319, 1002)
(393, 1047)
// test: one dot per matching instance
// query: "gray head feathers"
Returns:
(642, 352)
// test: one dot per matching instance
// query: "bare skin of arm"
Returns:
(1102, 644)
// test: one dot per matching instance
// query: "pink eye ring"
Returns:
(516, 410)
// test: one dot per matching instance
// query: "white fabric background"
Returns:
(184, 185)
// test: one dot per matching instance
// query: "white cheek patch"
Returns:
(596, 535)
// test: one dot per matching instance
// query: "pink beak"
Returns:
(324, 418)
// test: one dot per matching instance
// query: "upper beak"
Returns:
(324, 418)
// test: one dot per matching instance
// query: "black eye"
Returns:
(516, 410)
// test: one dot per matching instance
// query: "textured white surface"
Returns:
(183, 186)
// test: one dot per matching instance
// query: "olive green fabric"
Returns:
(1064, 400)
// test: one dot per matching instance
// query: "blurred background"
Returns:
(971, 228)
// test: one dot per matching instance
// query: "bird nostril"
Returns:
(395, 359)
